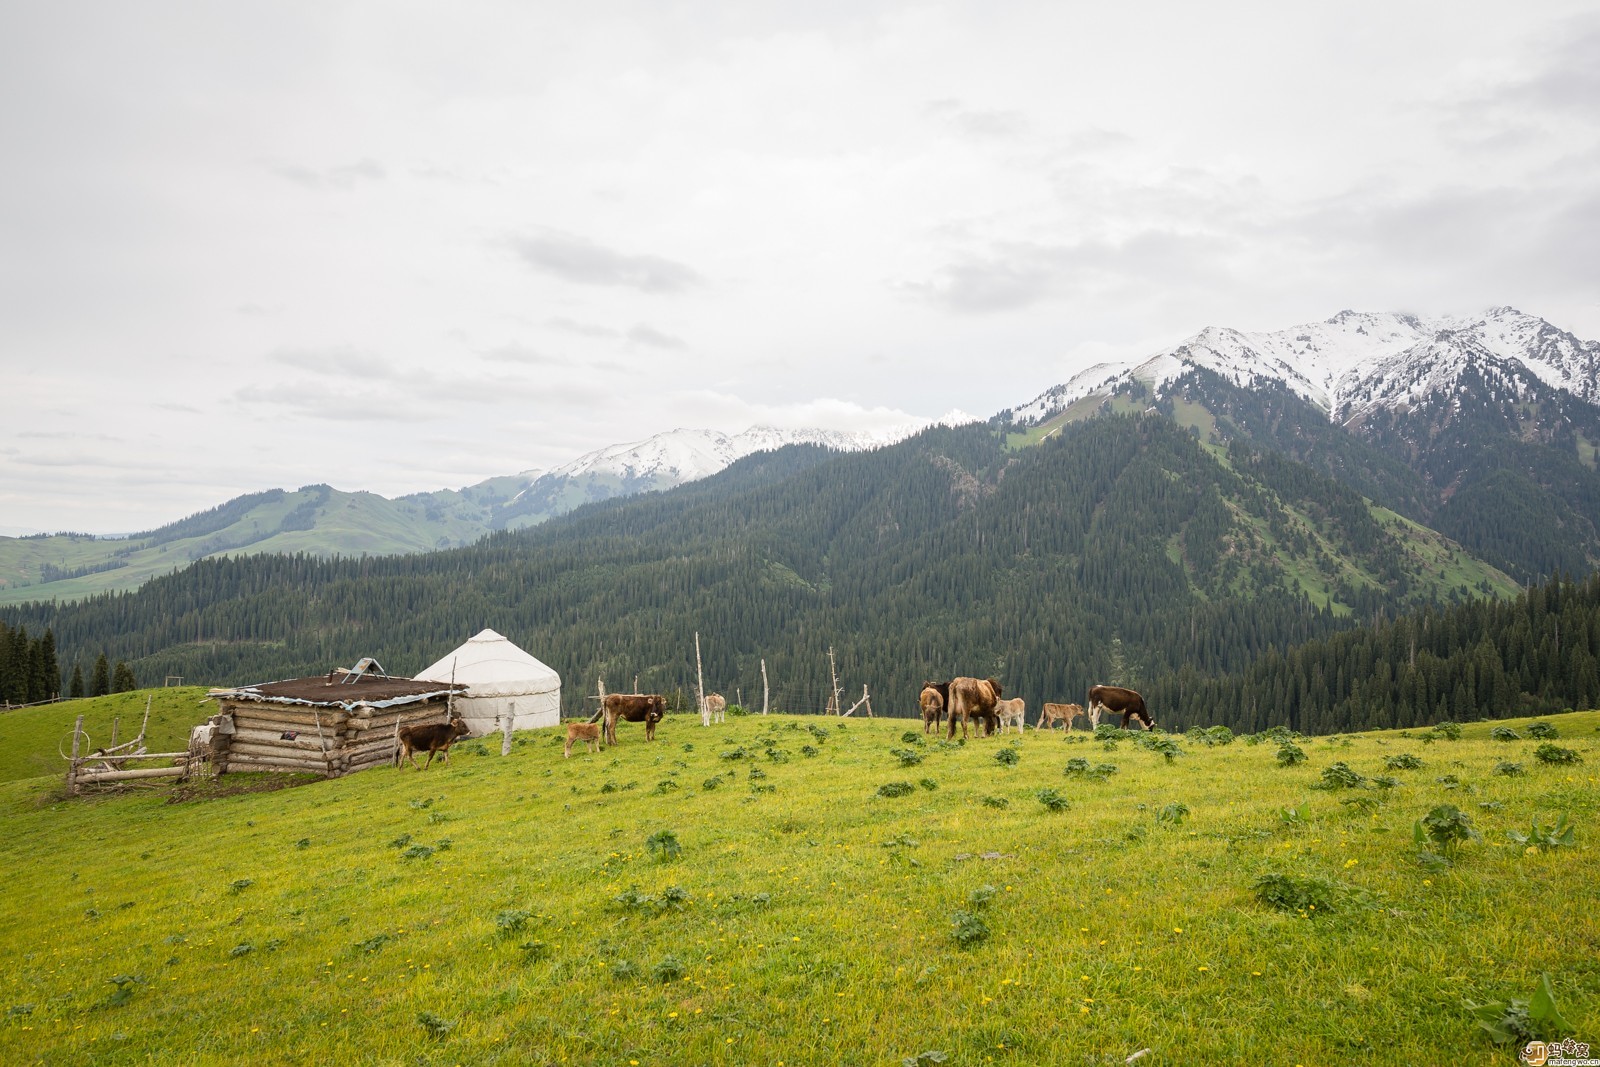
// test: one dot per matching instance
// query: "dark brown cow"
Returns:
(1118, 701)
(433, 736)
(648, 708)
(933, 699)
(973, 698)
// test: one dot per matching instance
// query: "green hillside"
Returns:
(756, 893)
(33, 740)
(949, 553)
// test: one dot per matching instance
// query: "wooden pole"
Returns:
(763, 686)
(700, 683)
(865, 696)
(505, 742)
(837, 703)
(114, 723)
(72, 768)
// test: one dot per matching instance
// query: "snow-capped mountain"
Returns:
(1354, 363)
(684, 455)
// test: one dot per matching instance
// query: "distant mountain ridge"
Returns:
(1354, 362)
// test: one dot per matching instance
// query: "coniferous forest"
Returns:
(1233, 585)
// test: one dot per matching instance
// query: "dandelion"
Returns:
(1205, 968)
(1349, 863)
(1177, 929)
(1427, 881)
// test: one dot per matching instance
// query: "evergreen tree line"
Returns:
(1485, 659)
(30, 671)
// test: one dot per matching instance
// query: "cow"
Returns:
(972, 698)
(932, 700)
(587, 732)
(648, 708)
(1013, 712)
(1117, 700)
(716, 707)
(1053, 713)
(433, 736)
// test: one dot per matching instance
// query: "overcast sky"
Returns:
(409, 246)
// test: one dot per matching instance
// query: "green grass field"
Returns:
(743, 894)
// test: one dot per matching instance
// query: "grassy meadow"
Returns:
(751, 893)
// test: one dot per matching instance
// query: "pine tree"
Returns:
(100, 680)
(75, 689)
(122, 679)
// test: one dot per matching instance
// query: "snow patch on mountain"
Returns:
(1356, 361)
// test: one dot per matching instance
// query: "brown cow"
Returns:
(932, 701)
(587, 732)
(1117, 700)
(433, 736)
(1053, 713)
(1013, 712)
(973, 698)
(648, 708)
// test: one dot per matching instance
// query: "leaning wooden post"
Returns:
(700, 683)
(763, 686)
(72, 768)
(833, 671)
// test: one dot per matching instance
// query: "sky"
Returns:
(409, 246)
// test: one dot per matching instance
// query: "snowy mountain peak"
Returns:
(1350, 363)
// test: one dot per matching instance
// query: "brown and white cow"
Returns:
(1054, 713)
(716, 707)
(932, 700)
(1013, 712)
(648, 708)
(973, 698)
(1118, 701)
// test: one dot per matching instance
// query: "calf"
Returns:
(433, 736)
(931, 700)
(716, 707)
(1053, 713)
(1011, 712)
(587, 732)
(1117, 700)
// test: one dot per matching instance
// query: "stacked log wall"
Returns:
(328, 741)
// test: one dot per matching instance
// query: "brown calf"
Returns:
(433, 736)
(932, 702)
(1011, 712)
(1053, 713)
(587, 732)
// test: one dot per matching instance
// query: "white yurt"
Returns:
(503, 682)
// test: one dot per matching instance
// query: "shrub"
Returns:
(663, 845)
(1509, 769)
(1504, 733)
(1516, 1021)
(1448, 730)
(1445, 827)
(1403, 762)
(710, 783)
(1306, 896)
(928, 784)
(911, 737)
(896, 789)
(624, 970)
(1007, 756)
(1290, 754)
(1545, 838)
(669, 969)
(1385, 781)
(1172, 814)
(996, 802)
(1052, 799)
(509, 923)
(1161, 743)
(1340, 776)
(1542, 731)
(968, 929)
(809, 750)
(907, 757)
(1076, 765)
(735, 753)
(1548, 753)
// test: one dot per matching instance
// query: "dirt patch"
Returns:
(234, 785)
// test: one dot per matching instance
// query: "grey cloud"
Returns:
(582, 329)
(654, 338)
(339, 178)
(514, 353)
(342, 362)
(583, 262)
(1564, 79)
(976, 123)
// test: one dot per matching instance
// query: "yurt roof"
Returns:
(490, 665)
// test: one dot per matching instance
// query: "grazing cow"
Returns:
(932, 700)
(716, 707)
(1011, 712)
(973, 698)
(587, 732)
(1053, 713)
(1117, 700)
(648, 708)
(433, 736)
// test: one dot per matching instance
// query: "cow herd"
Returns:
(981, 699)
